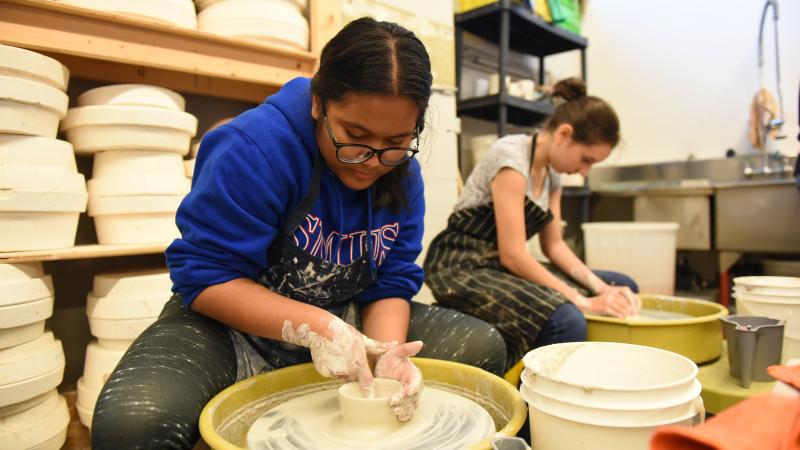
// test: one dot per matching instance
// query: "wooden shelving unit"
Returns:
(82, 252)
(118, 48)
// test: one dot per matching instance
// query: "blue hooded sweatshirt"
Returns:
(248, 177)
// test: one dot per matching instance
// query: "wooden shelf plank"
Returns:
(230, 65)
(82, 252)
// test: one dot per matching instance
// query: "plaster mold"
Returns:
(41, 427)
(131, 164)
(22, 63)
(30, 107)
(179, 13)
(133, 95)
(27, 152)
(273, 21)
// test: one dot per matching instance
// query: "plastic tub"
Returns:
(42, 427)
(30, 108)
(91, 129)
(227, 417)
(645, 251)
(600, 395)
(133, 94)
(22, 63)
(273, 21)
(698, 337)
(17, 151)
(603, 373)
(768, 285)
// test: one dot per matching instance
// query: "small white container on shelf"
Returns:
(22, 63)
(179, 13)
(43, 426)
(133, 95)
(97, 128)
(274, 21)
(18, 151)
(30, 108)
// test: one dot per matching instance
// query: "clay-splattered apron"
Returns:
(463, 270)
(297, 274)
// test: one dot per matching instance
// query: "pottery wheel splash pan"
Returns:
(226, 419)
(685, 326)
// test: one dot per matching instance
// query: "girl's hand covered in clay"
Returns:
(342, 353)
(395, 364)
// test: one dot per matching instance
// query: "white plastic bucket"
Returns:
(603, 395)
(784, 307)
(768, 285)
(645, 251)
(791, 347)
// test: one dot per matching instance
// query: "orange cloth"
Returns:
(764, 422)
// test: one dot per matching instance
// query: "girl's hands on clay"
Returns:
(629, 295)
(338, 351)
(395, 364)
(610, 303)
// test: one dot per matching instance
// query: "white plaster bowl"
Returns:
(31, 359)
(91, 129)
(274, 21)
(39, 208)
(26, 291)
(132, 283)
(25, 313)
(179, 13)
(18, 151)
(22, 63)
(85, 415)
(119, 308)
(88, 394)
(130, 164)
(41, 427)
(118, 333)
(100, 361)
(16, 272)
(30, 108)
(133, 94)
(140, 185)
(10, 337)
(27, 389)
(188, 167)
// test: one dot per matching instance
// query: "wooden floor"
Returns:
(78, 435)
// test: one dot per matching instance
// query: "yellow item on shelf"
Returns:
(541, 9)
(466, 5)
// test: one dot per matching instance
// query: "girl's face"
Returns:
(380, 121)
(569, 156)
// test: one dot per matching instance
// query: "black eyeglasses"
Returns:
(359, 153)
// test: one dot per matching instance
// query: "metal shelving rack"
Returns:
(512, 27)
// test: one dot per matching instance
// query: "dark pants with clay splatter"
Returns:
(154, 397)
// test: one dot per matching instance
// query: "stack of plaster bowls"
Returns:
(606, 396)
(26, 301)
(43, 193)
(120, 307)
(178, 13)
(279, 22)
(776, 298)
(32, 414)
(138, 134)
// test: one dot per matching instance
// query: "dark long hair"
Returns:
(593, 120)
(382, 58)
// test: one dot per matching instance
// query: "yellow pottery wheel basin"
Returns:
(226, 419)
(698, 337)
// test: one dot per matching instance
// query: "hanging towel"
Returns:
(763, 109)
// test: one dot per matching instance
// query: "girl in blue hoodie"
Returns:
(299, 241)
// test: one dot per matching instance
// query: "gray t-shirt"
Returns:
(509, 151)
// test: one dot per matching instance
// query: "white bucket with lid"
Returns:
(645, 251)
(784, 307)
(603, 395)
(768, 285)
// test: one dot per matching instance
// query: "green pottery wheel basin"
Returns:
(227, 417)
(698, 337)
